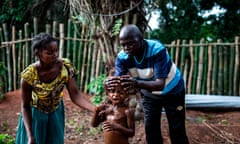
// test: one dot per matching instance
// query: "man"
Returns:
(159, 80)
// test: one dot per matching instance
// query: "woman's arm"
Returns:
(78, 98)
(26, 92)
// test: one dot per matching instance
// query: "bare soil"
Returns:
(203, 127)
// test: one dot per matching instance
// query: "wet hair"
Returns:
(41, 41)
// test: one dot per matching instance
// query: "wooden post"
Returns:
(35, 26)
(177, 54)
(195, 71)
(27, 49)
(14, 59)
(68, 40)
(226, 67)
(74, 47)
(48, 28)
(209, 73)
(89, 58)
(185, 73)
(220, 68)
(172, 50)
(61, 43)
(2, 50)
(231, 74)
(99, 62)
(3, 87)
(191, 67)
(200, 67)
(80, 54)
(20, 58)
(236, 85)
(205, 70)
(5, 31)
(182, 58)
(94, 61)
(54, 29)
(84, 61)
(215, 71)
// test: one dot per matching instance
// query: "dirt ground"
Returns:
(203, 127)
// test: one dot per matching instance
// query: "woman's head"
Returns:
(45, 47)
(42, 41)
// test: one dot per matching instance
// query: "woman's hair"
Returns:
(41, 41)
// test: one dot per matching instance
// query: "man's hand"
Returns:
(129, 83)
(111, 82)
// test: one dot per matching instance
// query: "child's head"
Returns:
(116, 94)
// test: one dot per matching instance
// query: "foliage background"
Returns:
(177, 19)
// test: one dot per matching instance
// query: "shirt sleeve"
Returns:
(72, 71)
(29, 74)
(120, 69)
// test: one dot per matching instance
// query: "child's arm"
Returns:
(131, 122)
(130, 130)
(99, 115)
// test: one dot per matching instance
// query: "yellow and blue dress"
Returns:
(46, 105)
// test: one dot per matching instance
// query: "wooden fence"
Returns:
(79, 47)
(208, 68)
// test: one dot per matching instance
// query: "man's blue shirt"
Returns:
(156, 63)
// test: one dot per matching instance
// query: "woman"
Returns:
(42, 83)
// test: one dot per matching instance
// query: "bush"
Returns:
(6, 139)
(96, 88)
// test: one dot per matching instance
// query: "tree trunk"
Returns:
(104, 14)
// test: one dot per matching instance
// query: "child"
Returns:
(118, 119)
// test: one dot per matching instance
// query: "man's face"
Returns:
(130, 45)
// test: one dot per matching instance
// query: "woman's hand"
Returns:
(31, 140)
(100, 107)
(101, 112)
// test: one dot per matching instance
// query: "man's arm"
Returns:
(157, 85)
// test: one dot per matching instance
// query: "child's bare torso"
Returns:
(115, 136)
